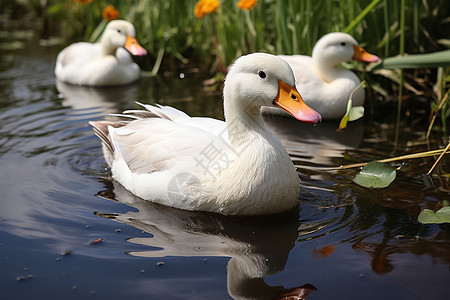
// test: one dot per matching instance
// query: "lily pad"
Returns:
(375, 175)
(427, 216)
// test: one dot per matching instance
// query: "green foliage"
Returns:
(375, 175)
(417, 61)
(353, 112)
(283, 27)
(427, 216)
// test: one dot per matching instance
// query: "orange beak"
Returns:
(363, 55)
(289, 99)
(132, 45)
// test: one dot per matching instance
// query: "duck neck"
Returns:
(106, 47)
(327, 69)
(244, 125)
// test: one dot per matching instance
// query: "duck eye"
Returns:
(262, 74)
(118, 30)
(343, 44)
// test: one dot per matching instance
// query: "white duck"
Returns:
(235, 167)
(102, 64)
(326, 87)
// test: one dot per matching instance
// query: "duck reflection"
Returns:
(108, 99)
(258, 246)
(383, 251)
(320, 144)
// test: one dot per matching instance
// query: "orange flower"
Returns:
(83, 1)
(247, 4)
(109, 13)
(204, 7)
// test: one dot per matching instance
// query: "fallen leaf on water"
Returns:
(324, 251)
(427, 216)
(97, 241)
(375, 175)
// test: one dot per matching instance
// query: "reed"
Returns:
(286, 27)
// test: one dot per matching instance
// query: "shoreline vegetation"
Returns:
(210, 34)
(227, 29)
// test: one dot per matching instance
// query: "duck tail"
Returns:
(101, 130)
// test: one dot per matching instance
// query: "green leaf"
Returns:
(344, 121)
(375, 175)
(427, 216)
(55, 9)
(352, 113)
(361, 16)
(415, 61)
(355, 113)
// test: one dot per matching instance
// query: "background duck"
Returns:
(168, 160)
(105, 63)
(323, 84)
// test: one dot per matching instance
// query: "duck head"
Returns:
(261, 79)
(120, 33)
(337, 47)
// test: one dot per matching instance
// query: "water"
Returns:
(58, 202)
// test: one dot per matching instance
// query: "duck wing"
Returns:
(214, 126)
(76, 63)
(153, 141)
(77, 52)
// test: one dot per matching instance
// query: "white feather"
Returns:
(237, 167)
(325, 86)
(101, 64)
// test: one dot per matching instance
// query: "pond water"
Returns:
(69, 232)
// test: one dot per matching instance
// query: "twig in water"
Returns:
(403, 157)
(439, 158)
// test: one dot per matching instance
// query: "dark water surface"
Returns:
(57, 198)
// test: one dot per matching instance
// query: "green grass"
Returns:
(287, 27)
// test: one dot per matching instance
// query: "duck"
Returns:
(325, 86)
(105, 63)
(231, 167)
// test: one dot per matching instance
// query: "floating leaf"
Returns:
(96, 241)
(427, 216)
(324, 251)
(375, 175)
